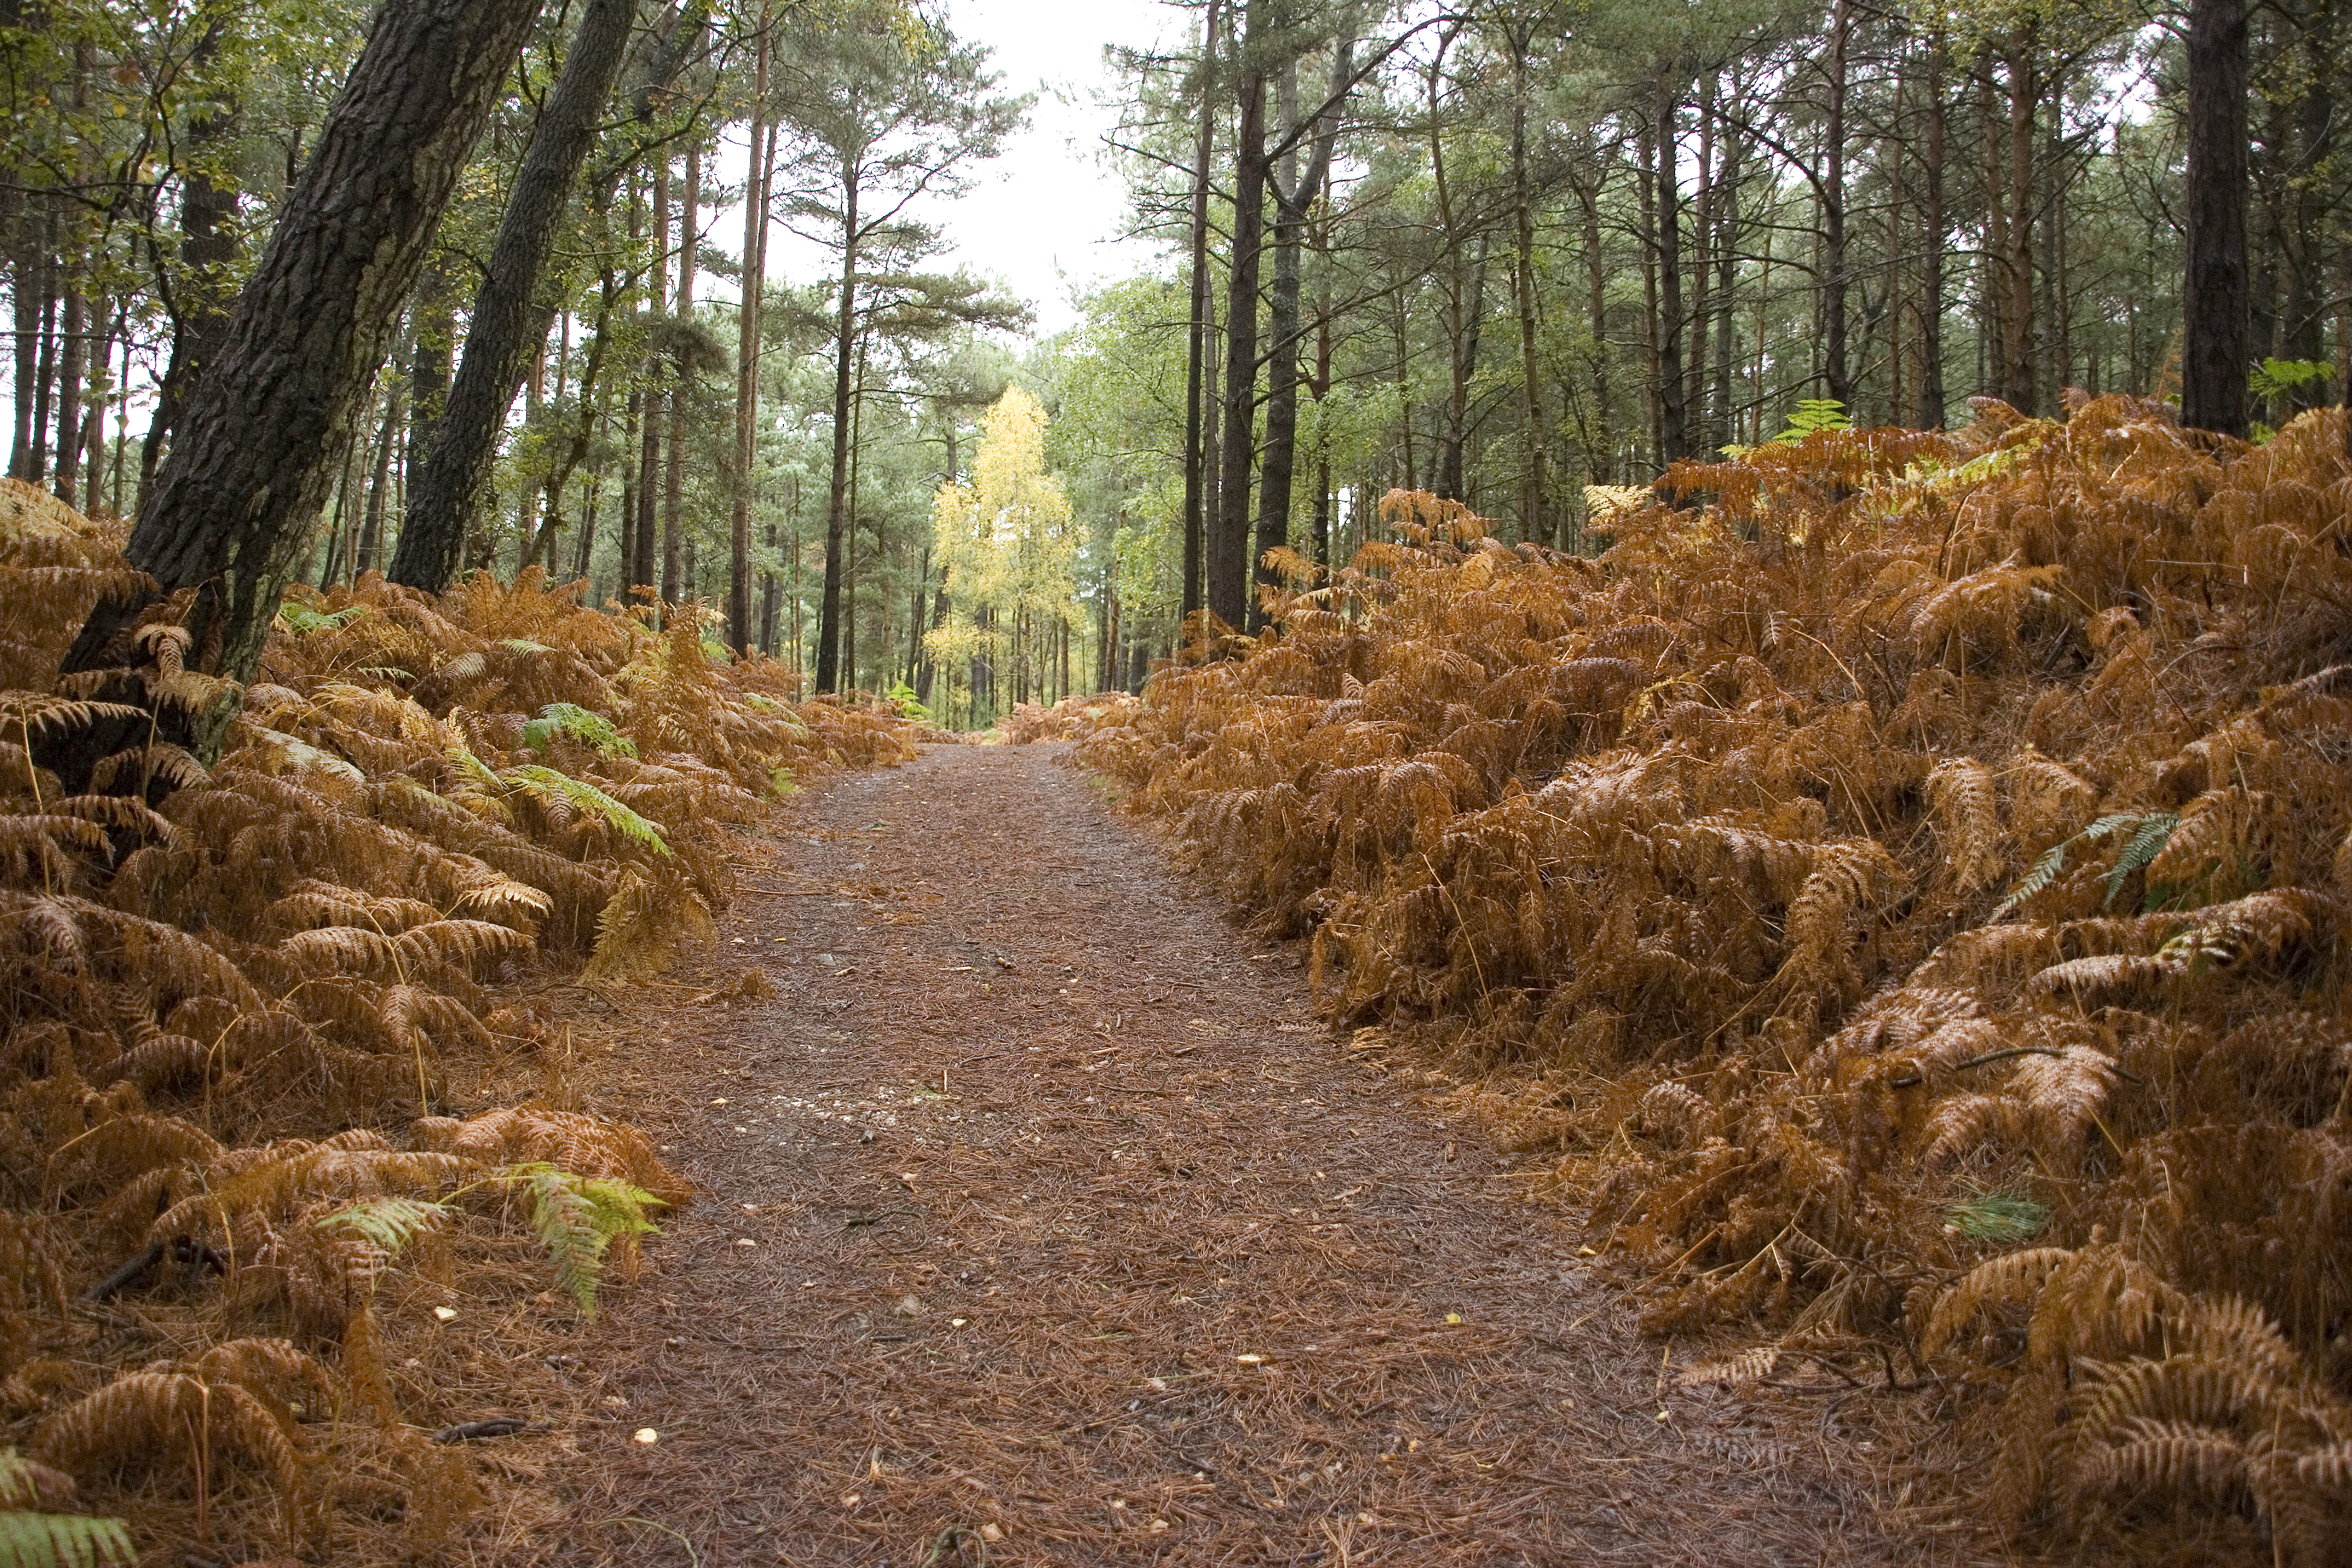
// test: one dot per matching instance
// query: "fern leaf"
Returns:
(586, 797)
(577, 1218)
(390, 1222)
(62, 1540)
(2147, 842)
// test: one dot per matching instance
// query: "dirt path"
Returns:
(1035, 1203)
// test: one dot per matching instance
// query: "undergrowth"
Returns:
(229, 995)
(1909, 894)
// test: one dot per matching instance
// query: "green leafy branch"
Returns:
(31, 1538)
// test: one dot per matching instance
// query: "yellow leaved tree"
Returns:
(1008, 548)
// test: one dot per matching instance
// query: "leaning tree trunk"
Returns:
(500, 340)
(2213, 288)
(235, 503)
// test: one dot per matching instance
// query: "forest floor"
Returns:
(1040, 1222)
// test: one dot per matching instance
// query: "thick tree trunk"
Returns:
(1197, 456)
(758, 152)
(499, 340)
(1228, 541)
(233, 506)
(2213, 287)
(2017, 310)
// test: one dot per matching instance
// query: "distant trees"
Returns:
(883, 121)
(1564, 248)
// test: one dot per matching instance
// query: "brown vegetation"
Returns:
(1911, 891)
(233, 995)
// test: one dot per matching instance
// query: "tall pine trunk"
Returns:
(1228, 541)
(757, 152)
(2213, 286)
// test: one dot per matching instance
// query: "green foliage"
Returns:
(1813, 414)
(2276, 378)
(909, 706)
(576, 723)
(548, 784)
(781, 784)
(32, 1539)
(302, 620)
(391, 1223)
(2149, 830)
(1997, 1217)
(65, 1539)
(577, 1218)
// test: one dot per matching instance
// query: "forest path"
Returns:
(1035, 1202)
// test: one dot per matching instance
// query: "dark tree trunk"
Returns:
(1673, 411)
(760, 152)
(658, 403)
(234, 505)
(1283, 333)
(1228, 541)
(2213, 287)
(500, 342)
(690, 222)
(844, 349)
(371, 549)
(1533, 433)
(1837, 378)
(1930, 415)
(1197, 457)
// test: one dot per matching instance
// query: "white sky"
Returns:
(1046, 218)
(1048, 215)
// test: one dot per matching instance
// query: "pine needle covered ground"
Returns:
(1907, 895)
(250, 1009)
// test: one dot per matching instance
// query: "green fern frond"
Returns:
(301, 620)
(390, 1223)
(462, 757)
(2045, 870)
(1813, 414)
(523, 644)
(1997, 1216)
(577, 1217)
(576, 723)
(63, 1540)
(2146, 843)
(544, 782)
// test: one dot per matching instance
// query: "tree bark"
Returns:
(1673, 411)
(2213, 286)
(233, 506)
(689, 230)
(844, 349)
(1533, 433)
(1196, 455)
(747, 355)
(1227, 545)
(1283, 333)
(1930, 415)
(500, 340)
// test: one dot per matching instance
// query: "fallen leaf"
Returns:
(647, 1434)
(909, 1307)
(990, 1533)
(444, 1313)
(1251, 1360)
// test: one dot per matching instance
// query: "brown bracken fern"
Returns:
(229, 987)
(1923, 814)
